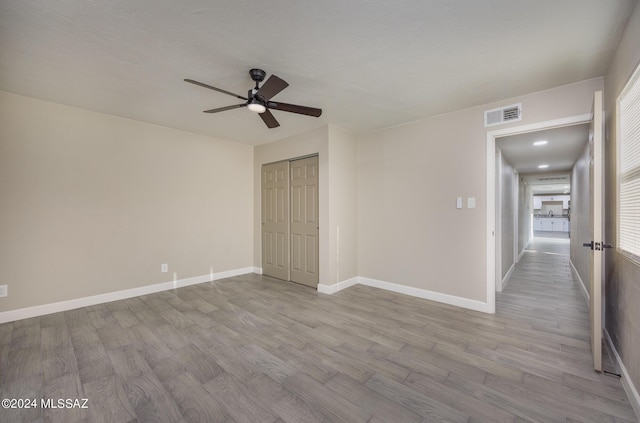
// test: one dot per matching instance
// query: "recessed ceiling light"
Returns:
(543, 142)
(543, 166)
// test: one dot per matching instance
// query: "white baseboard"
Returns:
(40, 310)
(583, 287)
(407, 290)
(332, 289)
(504, 280)
(627, 383)
(522, 252)
(257, 270)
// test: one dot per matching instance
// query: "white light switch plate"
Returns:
(458, 202)
(471, 202)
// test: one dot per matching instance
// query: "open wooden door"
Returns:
(596, 184)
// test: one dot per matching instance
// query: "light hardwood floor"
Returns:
(254, 349)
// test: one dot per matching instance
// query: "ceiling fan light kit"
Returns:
(258, 99)
(255, 106)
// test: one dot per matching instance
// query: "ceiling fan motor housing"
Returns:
(257, 75)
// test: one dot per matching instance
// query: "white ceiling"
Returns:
(564, 146)
(368, 64)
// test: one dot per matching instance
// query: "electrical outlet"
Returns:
(4, 290)
(164, 267)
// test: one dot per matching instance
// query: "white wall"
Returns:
(92, 203)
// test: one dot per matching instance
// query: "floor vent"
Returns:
(512, 113)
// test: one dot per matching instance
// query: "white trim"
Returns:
(627, 383)
(407, 290)
(257, 270)
(332, 289)
(428, 295)
(523, 251)
(40, 310)
(491, 194)
(504, 280)
(583, 287)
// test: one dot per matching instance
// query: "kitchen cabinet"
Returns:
(537, 202)
(557, 224)
(539, 199)
(537, 224)
(551, 224)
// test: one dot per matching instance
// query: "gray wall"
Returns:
(508, 213)
(525, 211)
(622, 276)
(581, 230)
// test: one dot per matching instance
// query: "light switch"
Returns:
(458, 202)
(471, 202)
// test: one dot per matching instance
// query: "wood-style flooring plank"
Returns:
(254, 349)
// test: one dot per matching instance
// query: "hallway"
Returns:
(544, 294)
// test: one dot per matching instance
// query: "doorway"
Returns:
(594, 163)
(290, 247)
(493, 217)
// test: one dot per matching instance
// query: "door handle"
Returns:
(598, 246)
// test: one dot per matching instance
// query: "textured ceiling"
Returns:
(564, 146)
(367, 64)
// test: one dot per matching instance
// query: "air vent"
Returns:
(553, 178)
(512, 113)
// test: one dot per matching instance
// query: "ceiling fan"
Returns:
(258, 99)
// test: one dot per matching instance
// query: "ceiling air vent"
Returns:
(512, 113)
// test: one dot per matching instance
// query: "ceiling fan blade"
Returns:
(293, 108)
(191, 81)
(222, 109)
(271, 87)
(269, 120)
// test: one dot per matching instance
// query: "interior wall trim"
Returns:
(407, 290)
(504, 280)
(627, 383)
(41, 310)
(583, 287)
(490, 277)
(332, 289)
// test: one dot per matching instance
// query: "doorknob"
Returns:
(588, 244)
(606, 246)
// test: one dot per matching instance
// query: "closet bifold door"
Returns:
(304, 221)
(275, 220)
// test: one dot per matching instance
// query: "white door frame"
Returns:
(491, 191)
